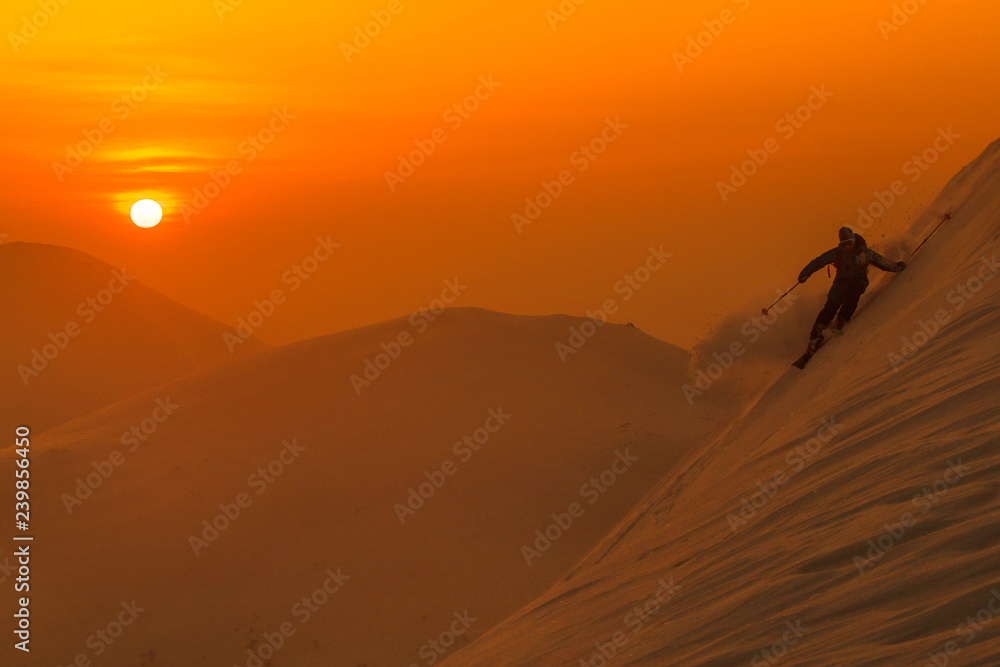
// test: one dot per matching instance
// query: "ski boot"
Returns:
(816, 338)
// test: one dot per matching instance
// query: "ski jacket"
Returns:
(851, 265)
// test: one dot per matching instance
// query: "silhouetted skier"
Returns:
(851, 259)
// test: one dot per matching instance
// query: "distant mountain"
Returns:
(421, 461)
(78, 334)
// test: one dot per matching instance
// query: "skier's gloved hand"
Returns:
(900, 265)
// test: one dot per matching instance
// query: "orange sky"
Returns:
(196, 86)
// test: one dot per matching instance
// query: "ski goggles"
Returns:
(847, 243)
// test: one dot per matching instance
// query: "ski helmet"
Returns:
(846, 237)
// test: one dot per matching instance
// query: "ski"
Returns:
(801, 362)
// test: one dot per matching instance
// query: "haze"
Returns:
(209, 78)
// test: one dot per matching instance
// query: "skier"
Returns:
(851, 258)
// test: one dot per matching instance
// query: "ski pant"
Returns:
(843, 296)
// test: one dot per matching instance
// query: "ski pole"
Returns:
(947, 217)
(764, 311)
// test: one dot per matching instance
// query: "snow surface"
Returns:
(804, 557)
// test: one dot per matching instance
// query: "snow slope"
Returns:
(872, 540)
(330, 505)
(78, 334)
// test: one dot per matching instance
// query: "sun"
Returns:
(146, 213)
